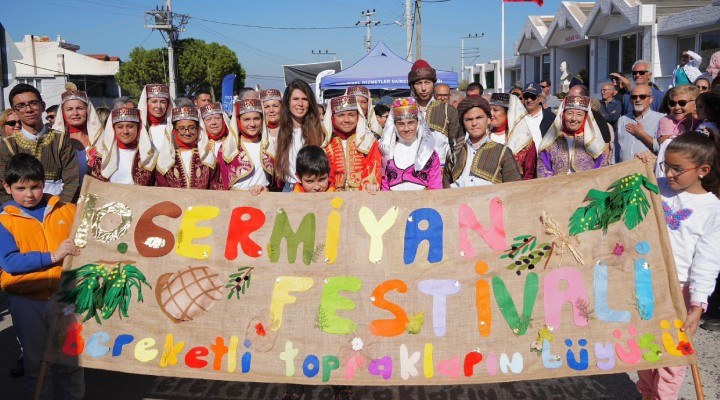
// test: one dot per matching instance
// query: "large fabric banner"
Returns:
(529, 280)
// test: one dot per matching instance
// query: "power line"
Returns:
(291, 28)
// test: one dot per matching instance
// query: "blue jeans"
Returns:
(32, 326)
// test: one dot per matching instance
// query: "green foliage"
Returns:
(624, 199)
(238, 283)
(96, 292)
(524, 254)
(199, 65)
(321, 318)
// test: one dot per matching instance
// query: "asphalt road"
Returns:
(105, 385)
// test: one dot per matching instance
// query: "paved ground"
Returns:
(106, 385)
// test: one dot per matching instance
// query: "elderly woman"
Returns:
(681, 112)
(245, 161)
(408, 151)
(573, 143)
(185, 159)
(125, 154)
(480, 161)
(215, 124)
(272, 102)
(10, 122)
(509, 128)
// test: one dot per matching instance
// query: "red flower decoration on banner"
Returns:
(619, 249)
(685, 348)
(260, 329)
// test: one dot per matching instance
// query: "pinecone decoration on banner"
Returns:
(188, 294)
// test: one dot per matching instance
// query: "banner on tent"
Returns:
(507, 282)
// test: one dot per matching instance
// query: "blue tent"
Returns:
(380, 69)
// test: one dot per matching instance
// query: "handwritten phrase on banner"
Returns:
(433, 287)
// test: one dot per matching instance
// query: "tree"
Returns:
(200, 65)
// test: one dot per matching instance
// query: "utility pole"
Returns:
(462, 51)
(163, 20)
(368, 24)
(408, 29)
(418, 32)
(320, 52)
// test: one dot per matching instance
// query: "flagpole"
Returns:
(502, 49)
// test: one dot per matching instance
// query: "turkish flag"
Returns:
(539, 2)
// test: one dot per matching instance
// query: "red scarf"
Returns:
(501, 129)
(133, 145)
(182, 145)
(271, 125)
(155, 120)
(220, 135)
(341, 135)
(252, 139)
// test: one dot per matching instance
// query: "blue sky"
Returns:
(115, 27)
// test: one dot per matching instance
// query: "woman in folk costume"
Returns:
(124, 153)
(272, 104)
(480, 161)
(81, 123)
(364, 100)
(245, 161)
(300, 125)
(155, 106)
(510, 129)
(573, 143)
(185, 159)
(353, 151)
(215, 123)
(410, 161)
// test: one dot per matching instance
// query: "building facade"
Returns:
(48, 65)
(607, 36)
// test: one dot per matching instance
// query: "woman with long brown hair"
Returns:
(299, 126)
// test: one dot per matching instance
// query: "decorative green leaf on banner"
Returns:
(524, 253)
(624, 200)
(239, 282)
(95, 291)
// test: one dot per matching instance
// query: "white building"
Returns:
(607, 36)
(48, 65)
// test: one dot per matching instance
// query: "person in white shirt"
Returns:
(538, 119)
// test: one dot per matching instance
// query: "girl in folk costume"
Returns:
(510, 128)
(573, 143)
(185, 159)
(155, 106)
(215, 123)
(300, 125)
(364, 100)
(245, 162)
(410, 161)
(354, 154)
(480, 161)
(125, 153)
(272, 103)
(81, 123)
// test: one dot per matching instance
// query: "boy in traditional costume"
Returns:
(364, 101)
(481, 161)
(355, 159)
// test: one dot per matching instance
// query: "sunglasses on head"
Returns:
(640, 72)
(12, 123)
(639, 96)
(681, 103)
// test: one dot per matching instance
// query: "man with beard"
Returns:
(637, 129)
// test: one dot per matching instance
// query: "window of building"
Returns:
(709, 44)
(490, 79)
(537, 69)
(476, 78)
(542, 67)
(686, 43)
(35, 82)
(623, 52)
